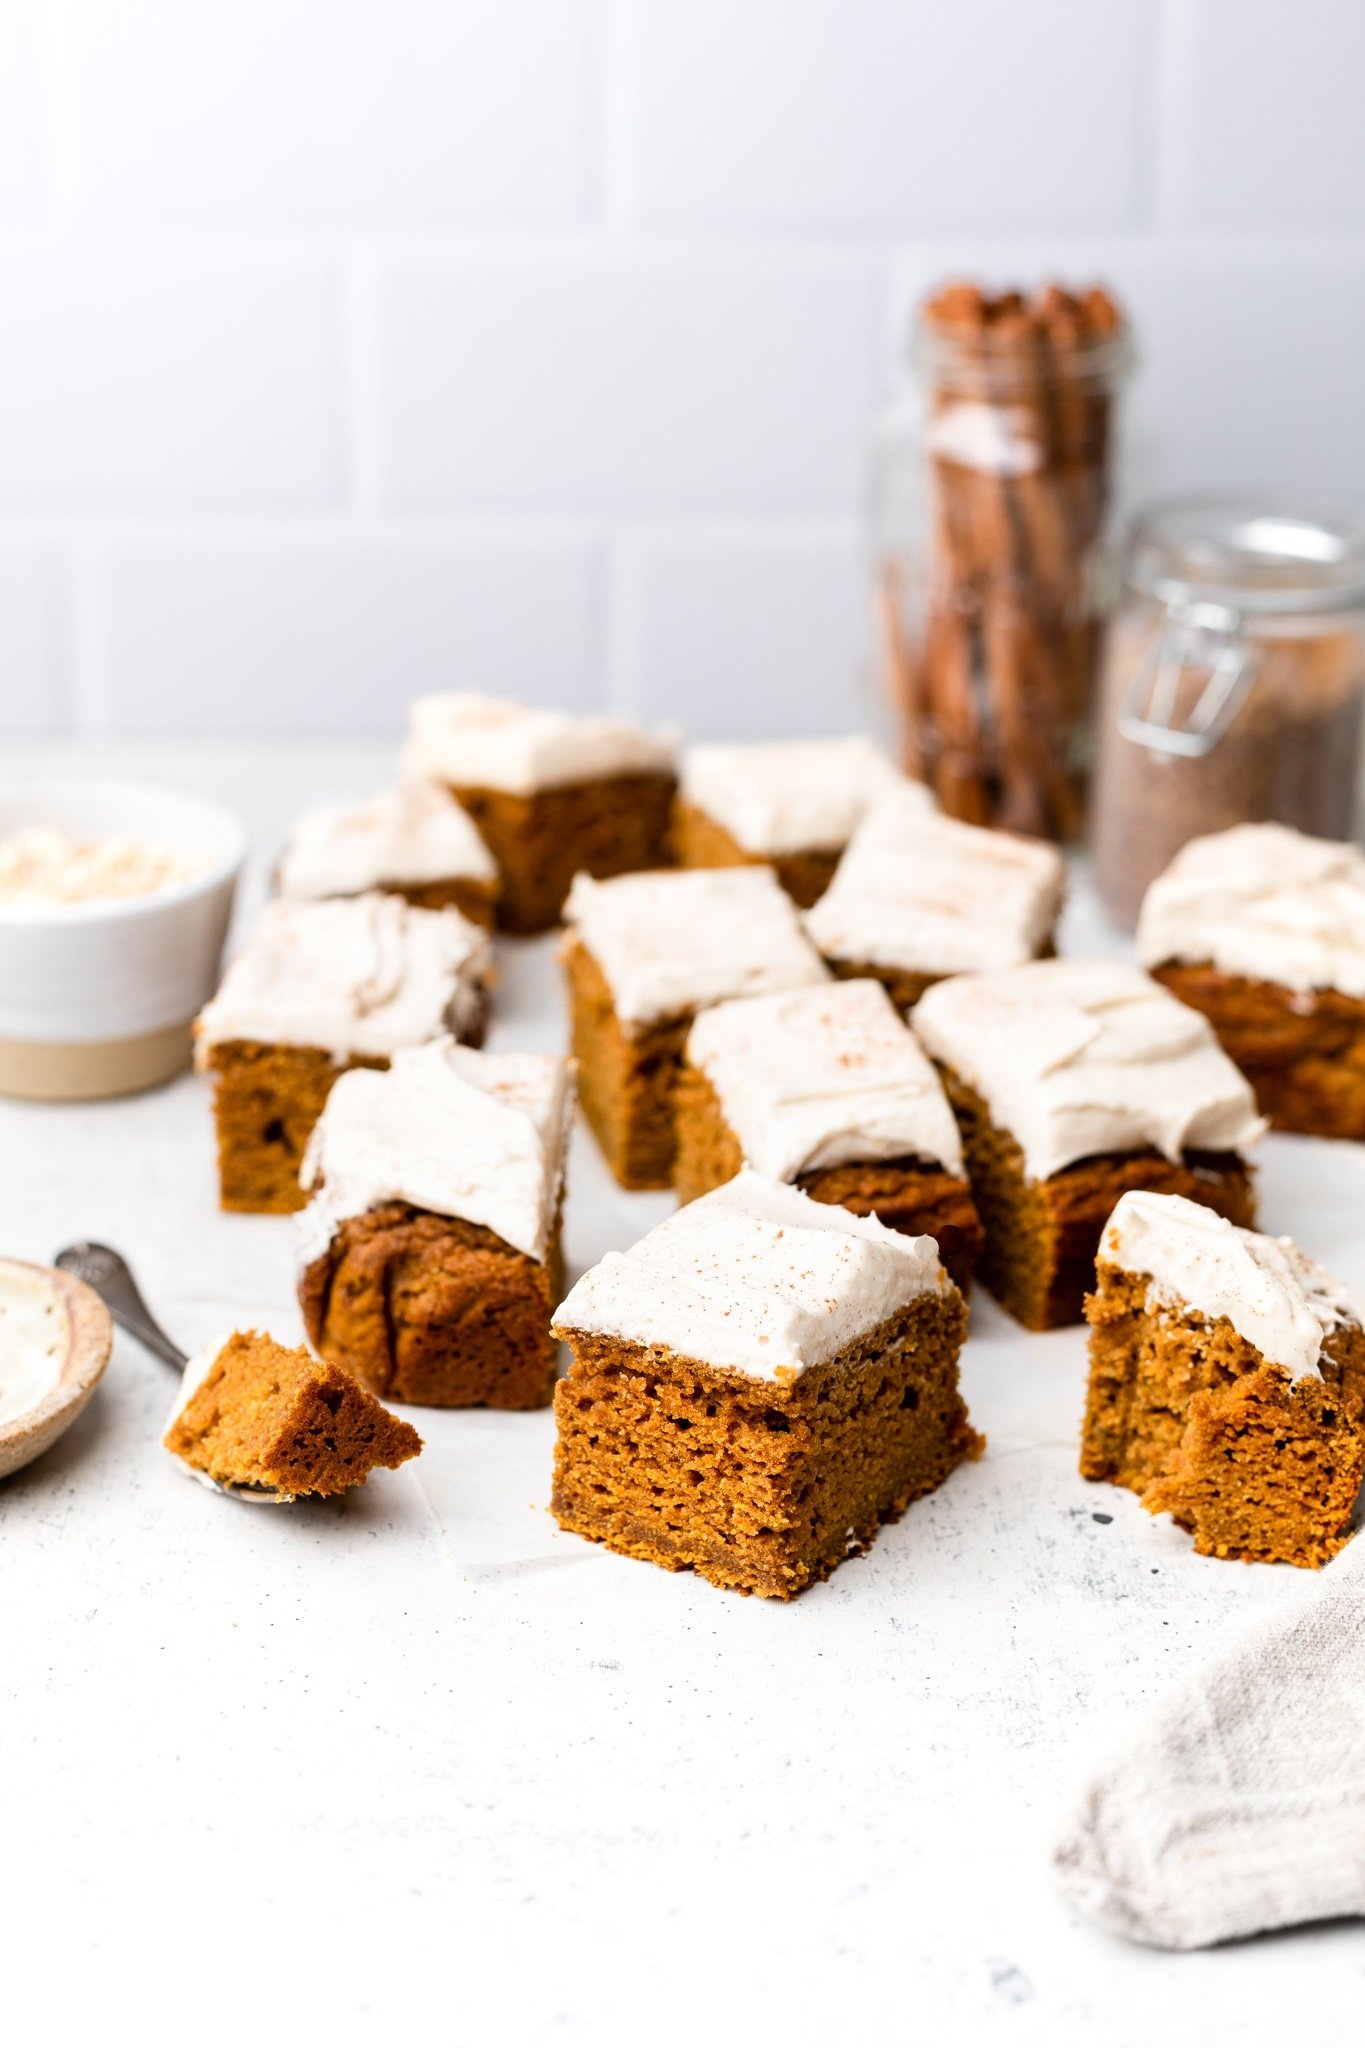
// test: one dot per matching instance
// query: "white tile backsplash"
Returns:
(624, 383)
(336, 113)
(322, 633)
(800, 114)
(349, 349)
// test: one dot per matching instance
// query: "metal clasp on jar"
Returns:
(1198, 635)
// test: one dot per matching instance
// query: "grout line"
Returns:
(614, 112)
(1171, 108)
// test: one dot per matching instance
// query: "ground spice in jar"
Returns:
(1233, 686)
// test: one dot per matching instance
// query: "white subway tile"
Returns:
(294, 634)
(633, 382)
(745, 636)
(807, 114)
(33, 641)
(156, 381)
(25, 170)
(1268, 103)
(344, 112)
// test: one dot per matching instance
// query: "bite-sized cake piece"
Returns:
(429, 1254)
(1227, 1383)
(792, 804)
(827, 1087)
(412, 839)
(318, 988)
(918, 896)
(251, 1412)
(552, 796)
(756, 1387)
(1263, 929)
(1074, 1081)
(644, 954)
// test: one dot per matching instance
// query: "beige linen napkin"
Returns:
(1240, 1805)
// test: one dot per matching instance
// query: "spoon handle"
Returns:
(109, 1274)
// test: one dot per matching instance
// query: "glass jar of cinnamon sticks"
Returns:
(992, 503)
(1233, 684)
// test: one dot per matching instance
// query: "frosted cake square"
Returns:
(757, 1387)
(429, 1254)
(643, 954)
(320, 987)
(827, 1087)
(1227, 1383)
(552, 796)
(1074, 1081)
(1263, 929)
(412, 839)
(918, 896)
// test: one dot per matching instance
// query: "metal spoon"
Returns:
(108, 1272)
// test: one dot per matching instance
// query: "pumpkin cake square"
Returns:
(918, 896)
(552, 796)
(251, 1412)
(429, 1254)
(320, 987)
(756, 1387)
(412, 839)
(1227, 1383)
(1074, 1081)
(643, 954)
(828, 1088)
(1263, 929)
(791, 805)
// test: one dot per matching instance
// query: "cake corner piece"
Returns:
(1226, 1383)
(256, 1414)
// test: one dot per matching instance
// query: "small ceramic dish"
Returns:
(97, 997)
(55, 1339)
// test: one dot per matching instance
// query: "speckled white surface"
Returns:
(440, 1773)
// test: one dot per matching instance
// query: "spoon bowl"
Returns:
(55, 1339)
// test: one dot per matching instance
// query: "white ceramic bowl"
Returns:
(97, 998)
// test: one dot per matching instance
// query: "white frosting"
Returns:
(932, 896)
(35, 1335)
(755, 1278)
(672, 941)
(1275, 1297)
(1079, 1057)
(353, 974)
(413, 833)
(1263, 902)
(790, 796)
(826, 1076)
(470, 1134)
(475, 742)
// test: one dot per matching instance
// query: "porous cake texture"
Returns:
(1227, 1383)
(826, 1087)
(791, 804)
(757, 1387)
(251, 1412)
(1263, 929)
(643, 955)
(412, 839)
(320, 987)
(552, 796)
(1074, 1081)
(429, 1254)
(918, 896)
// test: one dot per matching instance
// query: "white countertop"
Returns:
(415, 1760)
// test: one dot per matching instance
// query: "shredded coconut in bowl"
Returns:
(40, 865)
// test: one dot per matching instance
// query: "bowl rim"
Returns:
(120, 909)
(90, 1343)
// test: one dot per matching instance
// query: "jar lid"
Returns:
(1248, 555)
